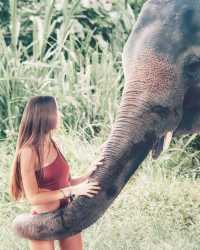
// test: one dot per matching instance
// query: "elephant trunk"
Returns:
(139, 121)
(84, 211)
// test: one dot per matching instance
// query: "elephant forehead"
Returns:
(177, 33)
(176, 26)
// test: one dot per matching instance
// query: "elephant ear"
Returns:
(161, 144)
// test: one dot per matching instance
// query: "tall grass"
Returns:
(68, 56)
(74, 53)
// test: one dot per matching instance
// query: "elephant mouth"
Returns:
(161, 144)
(189, 123)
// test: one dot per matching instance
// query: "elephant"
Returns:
(161, 95)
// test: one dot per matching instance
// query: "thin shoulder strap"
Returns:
(58, 150)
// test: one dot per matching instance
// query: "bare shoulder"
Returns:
(27, 154)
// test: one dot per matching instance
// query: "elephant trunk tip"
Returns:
(18, 225)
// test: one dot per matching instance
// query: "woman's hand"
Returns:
(98, 163)
(86, 188)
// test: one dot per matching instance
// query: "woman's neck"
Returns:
(47, 139)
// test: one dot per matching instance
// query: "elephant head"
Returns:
(161, 62)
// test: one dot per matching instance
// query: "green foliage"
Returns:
(71, 51)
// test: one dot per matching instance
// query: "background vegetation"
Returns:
(72, 50)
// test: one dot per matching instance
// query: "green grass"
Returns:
(157, 209)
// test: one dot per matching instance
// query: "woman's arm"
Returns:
(33, 193)
(77, 180)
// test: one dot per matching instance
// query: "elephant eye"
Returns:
(192, 68)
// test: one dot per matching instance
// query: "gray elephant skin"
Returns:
(161, 63)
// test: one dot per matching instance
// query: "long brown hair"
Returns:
(39, 118)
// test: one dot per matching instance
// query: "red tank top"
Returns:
(56, 174)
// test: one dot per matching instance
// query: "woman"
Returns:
(40, 173)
